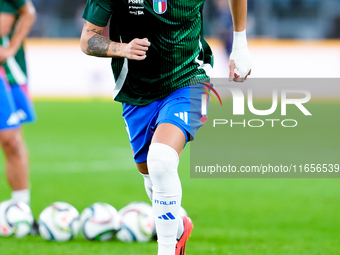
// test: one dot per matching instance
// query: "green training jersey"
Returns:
(15, 66)
(16, 4)
(177, 55)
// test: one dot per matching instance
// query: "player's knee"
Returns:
(11, 144)
(155, 167)
(162, 164)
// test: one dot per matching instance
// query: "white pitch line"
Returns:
(81, 167)
(53, 149)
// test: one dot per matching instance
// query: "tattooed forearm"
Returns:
(94, 30)
(115, 47)
(98, 45)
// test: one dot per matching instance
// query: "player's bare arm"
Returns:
(240, 57)
(27, 16)
(239, 13)
(95, 44)
(7, 21)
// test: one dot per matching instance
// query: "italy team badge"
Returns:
(159, 6)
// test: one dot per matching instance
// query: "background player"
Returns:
(16, 20)
(152, 81)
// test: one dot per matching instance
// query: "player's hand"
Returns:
(240, 58)
(5, 53)
(136, 49)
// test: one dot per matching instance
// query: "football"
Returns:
(100, 222)
(15, 218)
(59, 222)
(182, 212)
(137, 223)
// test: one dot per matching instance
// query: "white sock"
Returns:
(148, 189)
(167, 195)
(148, 185)
(21, 195)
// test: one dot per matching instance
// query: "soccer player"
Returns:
(16, 20)
(157, 49)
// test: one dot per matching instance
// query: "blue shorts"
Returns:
(15, 105)
(182, 108)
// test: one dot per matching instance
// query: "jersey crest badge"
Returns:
(160, 6)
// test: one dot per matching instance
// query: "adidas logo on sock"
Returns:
(167, 216)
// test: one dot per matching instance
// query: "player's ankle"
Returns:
(21, 196)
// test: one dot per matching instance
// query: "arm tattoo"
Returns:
(99, 32)
(115, 47)
(98, 45)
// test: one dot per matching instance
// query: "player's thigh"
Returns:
(171, 135)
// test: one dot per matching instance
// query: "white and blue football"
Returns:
(100, 222)
(137, 223)
(15, 218)
(59, 222)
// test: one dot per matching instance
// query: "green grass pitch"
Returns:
(80, 154)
